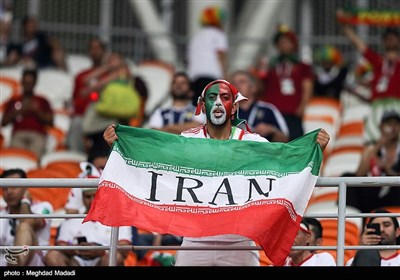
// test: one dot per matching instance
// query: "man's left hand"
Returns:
(323, 138)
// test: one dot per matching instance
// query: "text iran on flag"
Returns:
(202, 187)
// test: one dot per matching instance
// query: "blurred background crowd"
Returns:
(302, 64)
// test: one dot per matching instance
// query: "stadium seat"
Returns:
(355, 113)
(131, 259)
(62, 119)
(353, 226)
(77, 63)
(56, 196)
(13, 72)
(311, 123)
(157, 76)
(62, 156)
(342, 161)
(55, 139)
(56, 86)
(18, 158)
(9, 87)
(69, 169)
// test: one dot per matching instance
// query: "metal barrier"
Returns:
(341, 182)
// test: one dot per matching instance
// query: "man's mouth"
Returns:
(218, 113)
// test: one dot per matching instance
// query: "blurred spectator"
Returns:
(289, 83)
(386, 67)
(97, 159)
(30, 115)
(115, 69)
(262, 117)
(80, 101)
(358, 81)
(316, 231)
(387, 235)
(330, 73)
(207, 51)
(74, 232)
(307, 257)
(180, 116)
(23, 231)
(37, 49)
(155, 239)
(9, 51)
(380, 159)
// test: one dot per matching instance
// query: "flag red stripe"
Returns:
(270, 225)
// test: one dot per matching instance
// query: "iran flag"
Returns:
(195, 187)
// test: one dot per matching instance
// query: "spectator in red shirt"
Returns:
(80, 100)
(386, 67)
(29, 114)
(289, 83)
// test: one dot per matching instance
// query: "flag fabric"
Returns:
(373, 17)
(195, 187)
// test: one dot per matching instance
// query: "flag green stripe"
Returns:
(226, 156)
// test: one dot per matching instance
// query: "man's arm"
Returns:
(353, 37)
(307, 87)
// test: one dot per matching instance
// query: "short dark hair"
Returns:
(102, 43)
(382, 210)
(14, 171)
(390, 31)
(30, 72)
(316, 226)
(26, 19)
(181, 74)
(97, 152)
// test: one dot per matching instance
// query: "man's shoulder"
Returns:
(193, 132)
(250, 136)
(41, 207)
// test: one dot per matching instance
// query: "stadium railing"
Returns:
(341, 182)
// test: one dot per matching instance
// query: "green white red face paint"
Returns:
(218, 103)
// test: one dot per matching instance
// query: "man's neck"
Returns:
(220, 132)
(299, 259)
(387, 253)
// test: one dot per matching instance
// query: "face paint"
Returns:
(218, 103)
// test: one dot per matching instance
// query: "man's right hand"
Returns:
(367, 238)
(109, 135)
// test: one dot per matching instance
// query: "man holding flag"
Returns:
(219, 215)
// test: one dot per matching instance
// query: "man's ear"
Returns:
(318, 241)
(234, 108)
(203, 106)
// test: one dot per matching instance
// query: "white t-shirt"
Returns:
(316, 259)
(6, 227)
(93, 231)
(393, 260)
(202, 53)
(172, 115)
(237, 134)
(74, 200)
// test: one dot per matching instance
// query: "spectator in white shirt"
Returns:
(74, 232)
(23, 231)
(307, 257)
(389, 232)
(208, 51)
